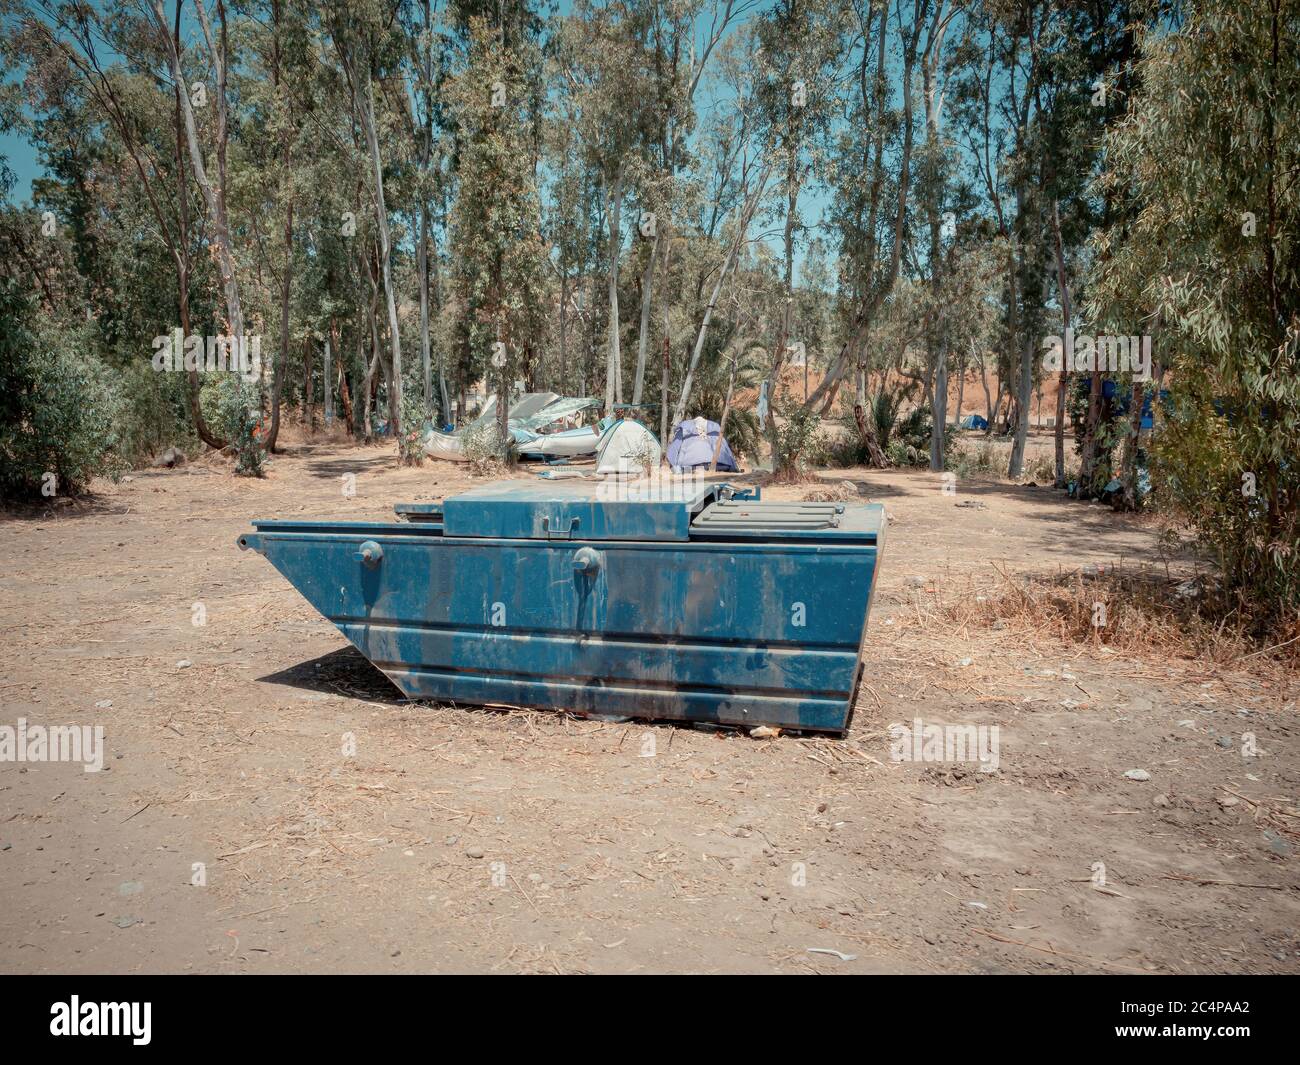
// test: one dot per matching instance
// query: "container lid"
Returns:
(735, 519)
(577, 510)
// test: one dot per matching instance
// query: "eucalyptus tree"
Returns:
(94, 69)
(572, 225)
(607, 94)
(495, 239)
(802, 45)
(368, 45)
(1208, 257)
(936, 164)
(872, 183)
(215, 193)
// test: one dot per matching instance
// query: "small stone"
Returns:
(169, 459)
(1137, 774)
(1225, 741)
(1161, 801)
(915, 581)
(184, 663)
(127, 922)
(130, 887)
(474, 852)
(103, 704)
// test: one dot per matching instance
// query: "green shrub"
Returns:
(983, 458)
(57, 405)
(796, 435)
(237, 409)
(483, 446)
(153, 414)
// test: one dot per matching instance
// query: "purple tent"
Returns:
(693, 443)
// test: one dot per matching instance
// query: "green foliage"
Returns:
(152, 413)
(415, 418)
(796, 436)
(984, 457)
(236, 411)
(483, 446)
(1111, 429)
(497, 250)
(57, 406)
(1206, 156)
(905, 438)
(911, 430)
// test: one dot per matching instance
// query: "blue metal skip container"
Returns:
(711, 606)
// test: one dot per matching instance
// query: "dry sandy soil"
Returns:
(509, 841)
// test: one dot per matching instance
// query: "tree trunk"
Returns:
(747, 214)
(282, 358)
(647, 284)
(726, 410)
(663, 400)
(1025, 378)
(961, 386)
(371, 367)
(1088, 461)
(867, 433)
(192, 389)
(308, 390)
(1129, 467)
(345, 393)
(1063, 382)
(937, 341)
(663, 383)
(564, 338)
(367, 112)
(214, 197)
(614, 359)
(422, 268)
(939, 409)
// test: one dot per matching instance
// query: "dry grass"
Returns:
(834, 492)
(1133, 610)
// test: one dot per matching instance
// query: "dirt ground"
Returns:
(509, 841)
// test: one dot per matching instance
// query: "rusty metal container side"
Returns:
(708, 608)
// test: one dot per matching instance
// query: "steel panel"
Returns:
(748, 630)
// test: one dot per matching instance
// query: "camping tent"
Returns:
(628, 447)
(693, 444)
(974, 421)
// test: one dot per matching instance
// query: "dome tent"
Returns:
(693, 444)
(627, 447)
